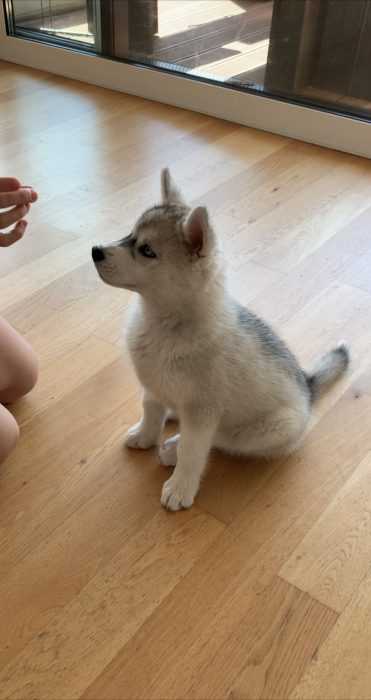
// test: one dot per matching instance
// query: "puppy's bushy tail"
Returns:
(330, 367)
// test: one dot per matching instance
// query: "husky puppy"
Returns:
(230, 380)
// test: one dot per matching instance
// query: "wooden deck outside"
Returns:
(223, 40)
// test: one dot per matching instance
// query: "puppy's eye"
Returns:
(146, 251)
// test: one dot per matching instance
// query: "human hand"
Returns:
(12, 194)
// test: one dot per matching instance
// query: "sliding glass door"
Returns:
(310, 53)
(315, 52)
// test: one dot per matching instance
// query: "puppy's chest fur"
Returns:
(162, 355)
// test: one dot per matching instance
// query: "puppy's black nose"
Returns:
(97, 254)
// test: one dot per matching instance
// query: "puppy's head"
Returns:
(171, 249)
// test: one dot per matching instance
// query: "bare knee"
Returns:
(18, 367)
(22, 379)
(9, 433)
(30, 373)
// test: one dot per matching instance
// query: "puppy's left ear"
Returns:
(169, 191)
(198, 234)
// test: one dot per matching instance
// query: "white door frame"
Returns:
(295, 121)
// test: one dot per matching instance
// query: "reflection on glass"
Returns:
(224, 40)
(311, 51)
(71, 20)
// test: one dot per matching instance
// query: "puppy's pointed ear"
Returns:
(198, 234)
(169, 192)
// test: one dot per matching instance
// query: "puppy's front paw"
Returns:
(137, 439)
(177, 494)
(168, 452)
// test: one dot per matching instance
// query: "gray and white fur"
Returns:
(230, 380)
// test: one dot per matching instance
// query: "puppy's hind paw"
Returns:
(171, 416)
(137, 439)
(168, 452)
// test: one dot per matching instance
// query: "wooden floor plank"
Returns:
(74, 535)
(338, 314)
(272, 646)
(132, 585)
(341, 668)
(36, 274)
(333, 558)
(330, 203)
(78, 366)
(71, 429)
(322, 268)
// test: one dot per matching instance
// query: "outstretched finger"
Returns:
(24, 195)
(34, 195)
(7, 239)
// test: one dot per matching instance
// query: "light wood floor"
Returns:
(263, 589)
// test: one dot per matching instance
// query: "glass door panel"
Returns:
(72, 22)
